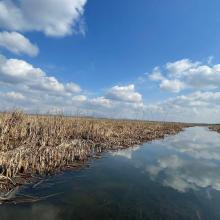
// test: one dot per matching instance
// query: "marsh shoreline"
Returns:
(215, 128)
(34, 146)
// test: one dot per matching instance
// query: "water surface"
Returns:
(174, 178)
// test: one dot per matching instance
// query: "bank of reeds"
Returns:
(37, 145)
(215, 128)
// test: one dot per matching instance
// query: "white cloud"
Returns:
(102, 101)
(180, 66)
(195, 107)
(73, 87)
(196, 99)
(185, 74)
(20, 74)
(124, 93)
(79, 98)
(17, 43)
(172, 85)
(14, 96)
(156, 75)
(53, 17)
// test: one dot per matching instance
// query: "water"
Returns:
(174, 178)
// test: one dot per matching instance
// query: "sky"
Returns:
(145, 59)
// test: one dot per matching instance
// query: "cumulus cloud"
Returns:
(17, 43)
(79, 98)
(124, 93)
(195, 107)
(156, 75)
(172, 85)
(118, 102)
(14, 96)
(52, 17)
(180, 66)
(101, 101)
(22, 75)
(73, 87)
(185, 74)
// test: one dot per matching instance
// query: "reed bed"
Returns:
(40, 145)
(215, 128)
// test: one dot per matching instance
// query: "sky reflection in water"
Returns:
(190, 160)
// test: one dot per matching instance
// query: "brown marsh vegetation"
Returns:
(215, 128)
(36, 145)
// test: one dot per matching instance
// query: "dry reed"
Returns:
(215, 128)
(32, 145)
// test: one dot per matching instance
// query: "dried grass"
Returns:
(215, 128)
(44, 144)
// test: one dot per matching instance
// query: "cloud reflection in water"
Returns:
(189, 160)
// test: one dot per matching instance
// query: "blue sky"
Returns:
(147, 59)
